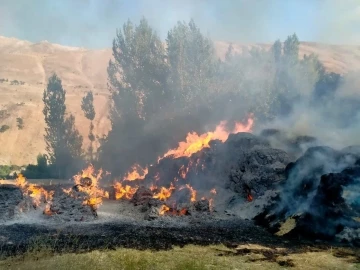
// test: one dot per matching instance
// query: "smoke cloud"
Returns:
(91, 23)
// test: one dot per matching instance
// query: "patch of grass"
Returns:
(189, 258)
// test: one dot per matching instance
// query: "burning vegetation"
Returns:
(37, 193)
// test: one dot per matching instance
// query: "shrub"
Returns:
(20, 123)
(4, 128)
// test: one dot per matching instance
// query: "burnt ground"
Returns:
(18, 238)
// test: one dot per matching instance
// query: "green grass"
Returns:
(190, 258)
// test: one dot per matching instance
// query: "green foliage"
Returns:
(16, 82)
(138, 74)
(4, 128)
(87, 105)
(6, 170)
(20, 123)
(63, 141)
(192, 61)
(39, 171)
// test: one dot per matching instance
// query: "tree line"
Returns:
(162, 90)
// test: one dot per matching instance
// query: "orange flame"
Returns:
(126, 192)
(153, 187)
(249, 197)
(136, 172)
(193, 193)
(195, 142)
(20, 181)
(183, 171)
(47, 210)
(95, 194)
(36, 193)
(164, 193)
(163, 209)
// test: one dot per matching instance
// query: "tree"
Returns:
(87, 105)
(291, 48)
(137, 80)
(63, 141)
(138, 74)
(277, 51)
(193, 64)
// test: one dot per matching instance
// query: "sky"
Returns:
(93, 23)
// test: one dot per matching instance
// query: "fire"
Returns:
(36, 193)
(126, 192)
(193, 193)
(195, 142)
(88, 182)
(163, 209)
(136, 172)
(47, 210)
(183, 171)
(211, 204)
(213, 191)
(153, 187)
(20, 181)
(67, 190)
(249, 197)
(164, 193)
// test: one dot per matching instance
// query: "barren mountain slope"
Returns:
(81, 70)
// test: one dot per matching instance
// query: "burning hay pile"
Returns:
(217, 172)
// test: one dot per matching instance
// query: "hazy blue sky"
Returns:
(93, 23)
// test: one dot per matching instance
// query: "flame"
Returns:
(153, 187)
(20, 181)
(36, 193)
(157, 176)
(94, 193)
(126, 192)
(136, 172)
(164, 193)
(193, 193)
(67, 190)
(183, 171)
(47, 210)
(249, 197)
(163, 209)
(211, 204)
(195, 142)
(213, 191)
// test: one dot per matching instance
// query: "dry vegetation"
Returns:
(81, 70)
(193, 257)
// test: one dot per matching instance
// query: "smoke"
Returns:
(92, 24)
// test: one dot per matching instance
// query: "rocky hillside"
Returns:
(25, 67)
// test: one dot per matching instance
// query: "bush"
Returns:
(40, 171)
(4, 128)
(5, 170)
(20, 123)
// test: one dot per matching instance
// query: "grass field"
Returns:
(192, 257)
